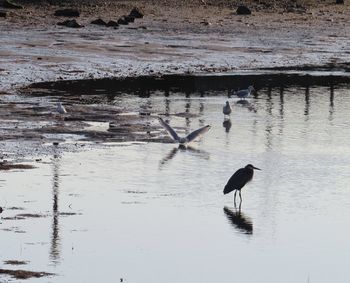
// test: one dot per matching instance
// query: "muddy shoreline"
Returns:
(180, 44)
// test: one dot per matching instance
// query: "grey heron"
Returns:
(238, 180)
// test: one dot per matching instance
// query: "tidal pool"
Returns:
(151, 212)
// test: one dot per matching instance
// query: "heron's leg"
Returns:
(234, 198)
(240, 196)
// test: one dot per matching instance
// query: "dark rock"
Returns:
(129, 19)
(3, 14)
(112, 24)
(10, 5)
(99, 22)
(339, 2)
(70, 24)
(136, 13)
(67, 13)
(122, 21)
(243, 10)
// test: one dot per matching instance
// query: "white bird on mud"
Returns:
(61, 109)
(184, 140)
(244, 93)
(227, 109)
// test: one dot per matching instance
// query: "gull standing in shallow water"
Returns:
(184, 140)
(227, 109)
(61, 109)
(244, 93)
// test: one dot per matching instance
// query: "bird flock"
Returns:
(243, 175)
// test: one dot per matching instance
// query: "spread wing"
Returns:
(197, 133)
(169, 129)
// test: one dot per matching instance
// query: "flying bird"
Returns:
(184, 140)
(61, 109)
(244, 93)
(227, 109)
(238, 180)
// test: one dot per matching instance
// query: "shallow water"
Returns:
(150, 212)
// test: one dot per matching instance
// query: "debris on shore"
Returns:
(24, 274)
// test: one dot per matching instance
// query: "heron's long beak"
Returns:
(256, 168)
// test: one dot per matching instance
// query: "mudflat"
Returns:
(172, 37)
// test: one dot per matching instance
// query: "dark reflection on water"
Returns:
(307, 103)
(246, 104)
(331, 103)
(185, 149)
(238, 220)
(55, 238)
(227, 124)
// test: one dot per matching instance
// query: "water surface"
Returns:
(151, 212)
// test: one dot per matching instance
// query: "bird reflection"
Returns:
(238, 220)
(307, 103)
(227, 124)
(55, 239)
(173, 152)
(246, 104)
(331, 103)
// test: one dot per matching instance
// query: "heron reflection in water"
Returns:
(238, 220)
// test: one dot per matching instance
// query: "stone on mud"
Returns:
(112, 24)
(339, 2)
(67, 13)
(129, 19)
(243, 10)
(70, 24)
(136, 13)
(99, 22)
(123, 21)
